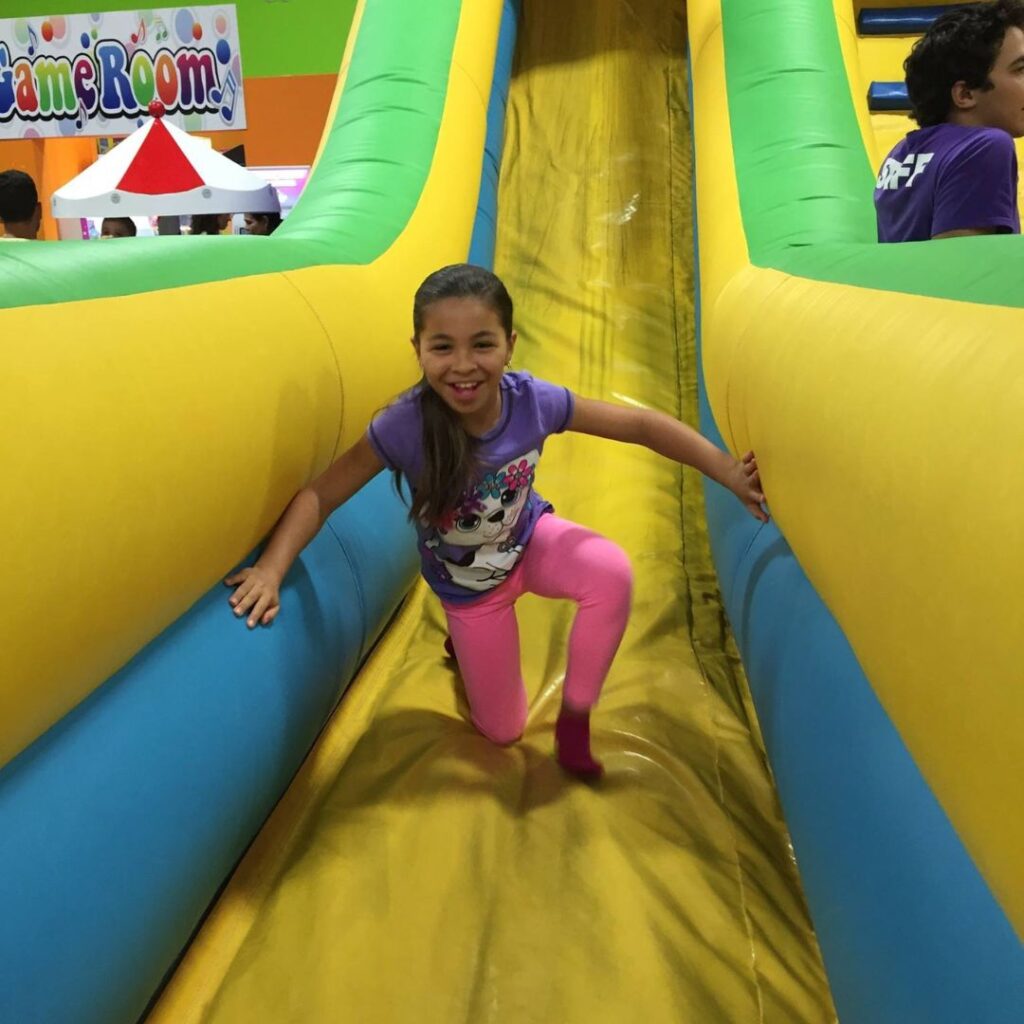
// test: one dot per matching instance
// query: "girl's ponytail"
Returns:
(449, 461)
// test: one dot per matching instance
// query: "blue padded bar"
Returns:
(888, 96)
(899, 21)
(122, 820)
(481, 248)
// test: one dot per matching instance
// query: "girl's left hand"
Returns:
(745, 482)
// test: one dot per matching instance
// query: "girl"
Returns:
(467, 440)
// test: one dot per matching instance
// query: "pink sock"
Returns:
(572, 743)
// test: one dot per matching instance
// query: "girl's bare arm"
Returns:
(675, 440)
(258, 586)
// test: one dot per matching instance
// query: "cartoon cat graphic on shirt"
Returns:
(475, 547)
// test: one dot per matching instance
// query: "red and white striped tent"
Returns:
(161, 171)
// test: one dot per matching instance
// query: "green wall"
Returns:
(286, 37)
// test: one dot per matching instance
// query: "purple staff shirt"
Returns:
(944, 178)
(480, 543)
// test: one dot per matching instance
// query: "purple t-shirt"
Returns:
(481, 542)
(944, 178)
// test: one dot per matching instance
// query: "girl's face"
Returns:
(462, 350)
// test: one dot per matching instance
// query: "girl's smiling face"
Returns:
(463, 350)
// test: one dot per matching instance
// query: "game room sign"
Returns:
(96, 74)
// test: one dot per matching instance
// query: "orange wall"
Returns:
(51, 163)
(285, 117)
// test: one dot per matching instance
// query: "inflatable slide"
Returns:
(199, 823)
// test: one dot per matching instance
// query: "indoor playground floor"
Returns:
(416, 874)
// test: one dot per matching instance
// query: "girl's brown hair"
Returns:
(449, 453)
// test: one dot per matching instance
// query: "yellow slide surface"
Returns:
(416, 873)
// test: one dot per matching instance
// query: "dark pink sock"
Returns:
(572, 743)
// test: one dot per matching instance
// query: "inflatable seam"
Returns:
(334, 357)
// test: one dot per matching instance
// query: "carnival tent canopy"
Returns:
(161, 171)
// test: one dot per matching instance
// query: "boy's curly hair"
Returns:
(961, 45)
(18, 197)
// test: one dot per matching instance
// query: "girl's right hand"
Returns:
(258, 594)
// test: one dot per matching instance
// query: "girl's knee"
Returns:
(612, 574)
(620, 566)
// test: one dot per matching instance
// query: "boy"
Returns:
(957, 174)
(19, 206)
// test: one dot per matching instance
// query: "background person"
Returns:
(20, 210)
(957, 174)
(118, 227)
(262, 223)
(209, 223)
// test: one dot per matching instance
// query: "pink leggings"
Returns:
(561, 560)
